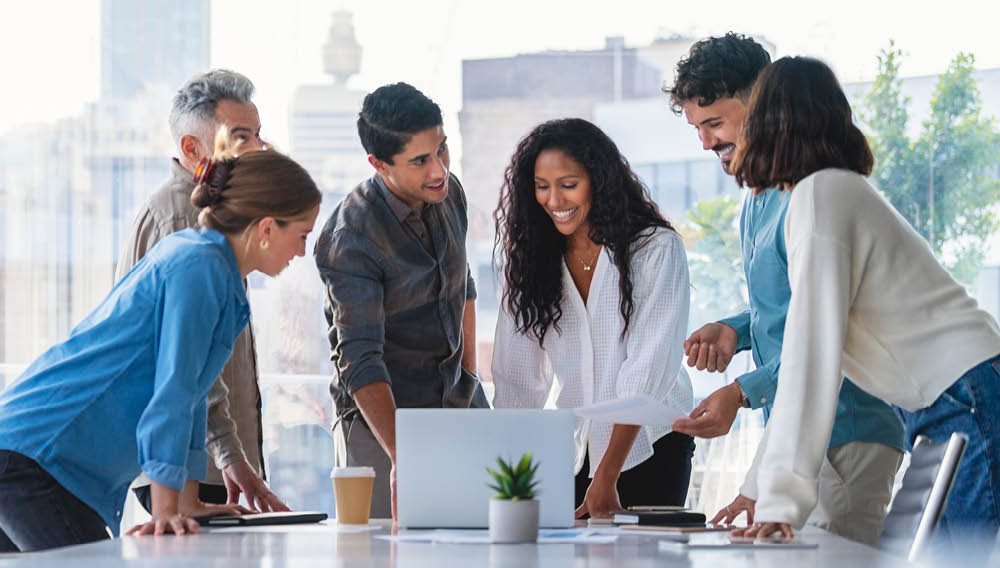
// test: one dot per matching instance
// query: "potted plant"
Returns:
(514, 510)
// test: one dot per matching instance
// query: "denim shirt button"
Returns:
(763, 400)
(972, 411)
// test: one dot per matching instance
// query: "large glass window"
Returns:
(85, 141)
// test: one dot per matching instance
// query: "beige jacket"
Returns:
(234, 418)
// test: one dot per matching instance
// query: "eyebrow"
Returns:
(239, 128)
(560, 178)
(415, 159)
(710, 119)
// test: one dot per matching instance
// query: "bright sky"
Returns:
(51, 48)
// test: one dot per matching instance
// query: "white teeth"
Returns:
(563, 215)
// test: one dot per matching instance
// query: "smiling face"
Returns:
(419, 173)
(562, 188)
(284, 242)
(718, 125)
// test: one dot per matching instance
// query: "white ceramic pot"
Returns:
(513, 520)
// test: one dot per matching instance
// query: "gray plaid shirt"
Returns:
(396, 287)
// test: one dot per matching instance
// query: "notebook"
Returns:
(670, 518)
(252, 519)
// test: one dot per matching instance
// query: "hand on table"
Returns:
(728, 514)
(160, 524)
(781, 531)
(601, 500)
(239, 478)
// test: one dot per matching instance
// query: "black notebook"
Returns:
(277, 518)
(663, 518)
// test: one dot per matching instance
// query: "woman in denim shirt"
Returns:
(125, 392)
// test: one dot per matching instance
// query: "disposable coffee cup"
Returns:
(352, 489)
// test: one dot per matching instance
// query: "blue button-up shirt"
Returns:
(126, 390)
(860, 416)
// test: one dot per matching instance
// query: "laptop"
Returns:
(442, 455)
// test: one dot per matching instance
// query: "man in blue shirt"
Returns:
(711, 88)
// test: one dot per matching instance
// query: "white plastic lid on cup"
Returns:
(357, 471)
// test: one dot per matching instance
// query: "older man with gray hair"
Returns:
(206, 102)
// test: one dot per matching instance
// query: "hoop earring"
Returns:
(263, 245)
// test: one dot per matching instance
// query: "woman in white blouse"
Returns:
(596, 295)
(869, 301)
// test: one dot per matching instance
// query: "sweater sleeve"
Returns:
(819, 273)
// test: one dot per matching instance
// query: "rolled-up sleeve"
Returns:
(171, 430)
(353, 278)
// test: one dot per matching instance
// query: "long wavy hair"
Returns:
(621, 218)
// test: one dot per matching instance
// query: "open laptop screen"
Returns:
(442, 456)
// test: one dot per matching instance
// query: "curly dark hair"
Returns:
(390, 115)
(717, 67)
(621, 218)
(798, 122)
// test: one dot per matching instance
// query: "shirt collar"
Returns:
(399, 208)
(179, 174)
(215, 237)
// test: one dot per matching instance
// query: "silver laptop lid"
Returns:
(442, 455)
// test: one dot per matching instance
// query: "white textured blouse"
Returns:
(588, 358)
(869, 301)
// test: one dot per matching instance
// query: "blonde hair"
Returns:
(240, 189)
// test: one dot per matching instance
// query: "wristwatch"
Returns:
(744, 399)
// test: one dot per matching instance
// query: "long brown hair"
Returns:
(798, 122)
(238, 190)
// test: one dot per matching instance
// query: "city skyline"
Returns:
(280, 46)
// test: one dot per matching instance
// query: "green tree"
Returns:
(712, 239)
(945, 181)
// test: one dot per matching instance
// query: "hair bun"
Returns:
(212, 176)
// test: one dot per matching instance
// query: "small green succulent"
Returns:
(515, 482)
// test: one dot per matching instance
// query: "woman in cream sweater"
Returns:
(869, 301)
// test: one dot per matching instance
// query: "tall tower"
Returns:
(324, 117)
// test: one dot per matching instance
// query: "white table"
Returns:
(316, 545)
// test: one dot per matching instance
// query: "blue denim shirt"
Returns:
(860, 416)
(125, 392)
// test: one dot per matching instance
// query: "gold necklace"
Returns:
(589, 265)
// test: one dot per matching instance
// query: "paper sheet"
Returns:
(545, 536)
(640, 409)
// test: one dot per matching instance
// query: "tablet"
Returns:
(253, 519)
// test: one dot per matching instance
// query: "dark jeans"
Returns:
(972, 406)
(207, 493)
(37, 513)
(662, 479)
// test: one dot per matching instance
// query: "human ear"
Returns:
(192, 148)
(380, 166)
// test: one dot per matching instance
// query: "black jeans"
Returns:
(660, 480)
(37, 513)
(206, 492)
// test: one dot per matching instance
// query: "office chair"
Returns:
(919, 503)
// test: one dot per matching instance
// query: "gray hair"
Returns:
(193, 111)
